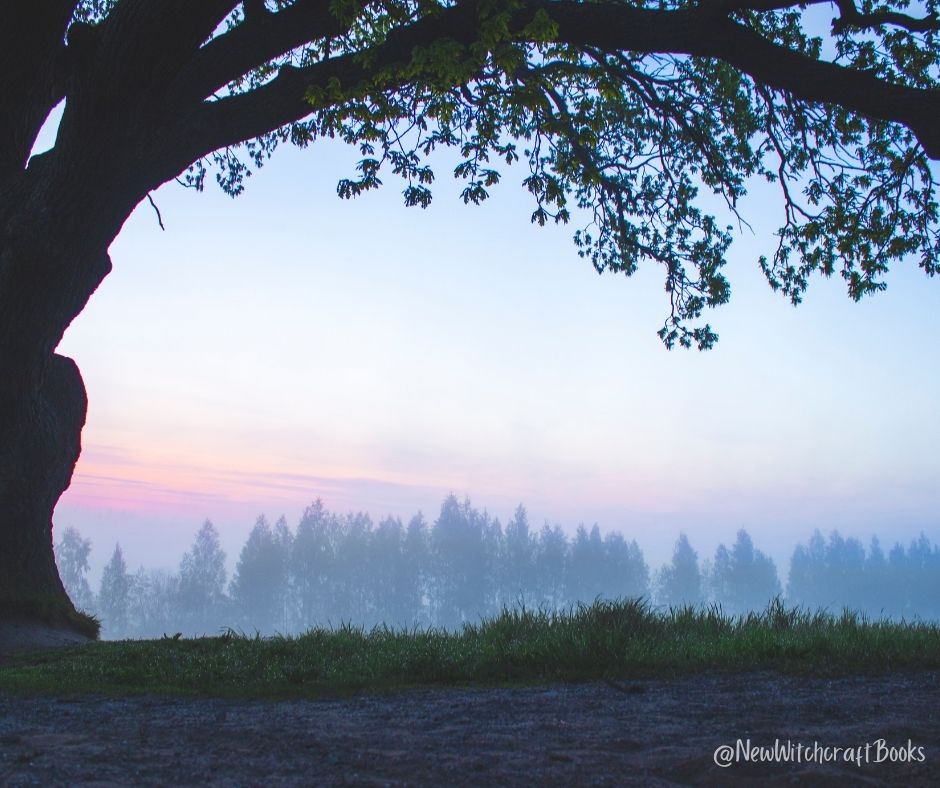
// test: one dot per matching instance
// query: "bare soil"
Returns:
(662, 732)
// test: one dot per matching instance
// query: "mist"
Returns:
(330, 570)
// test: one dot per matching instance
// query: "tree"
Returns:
(518, 561)
(624, 573)
(71, 553)
(388, 572)
(585, 582)
(153, 603)
(835, 574)
(114, 597)
(312, 565)
(806, 584)
(259, 587)
(458, 550)
(417, 551)
(923, 561)
(743, 578)
(878, 599)
(627, 116)
(202, 582)
(353, 594)
(550, 561)
(680, 582)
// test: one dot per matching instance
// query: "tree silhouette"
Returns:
(458, 583)
(587, 555)
(452, 574)
(623, 572)
(417, 564)
(923, 562)
(839, 574)
(114, 596)
(878, 598)
(259, 586)
(389, 579)
(551, 558)
(517, 562)
(311, 564)
(202, 582)
(71, 552)
(627, 117)
(680, 582)
(743, 578)
(807, 582)
(154, 604)
(353, 592)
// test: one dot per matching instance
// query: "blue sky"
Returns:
(286, 345)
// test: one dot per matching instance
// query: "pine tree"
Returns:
(585, 566)
(259, 585)
(202, 604)
(743, 578)
(459, 556)
(312, 566)
(417, 550)
(551, 559)
(518, 561)
(114, 596)
(680, 582)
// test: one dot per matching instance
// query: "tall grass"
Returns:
(623, 639)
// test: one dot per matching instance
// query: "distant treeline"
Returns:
(335, 569)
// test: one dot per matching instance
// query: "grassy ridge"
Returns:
(605, 640)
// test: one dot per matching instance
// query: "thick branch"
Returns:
(695, 32)
(148, 43)
(850, 17)
(284, 100)
(727, 6)
(612, 28)
(827, 83)
(31, 57)
(261, 38)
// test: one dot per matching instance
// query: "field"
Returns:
(607, 694)
(619, 640)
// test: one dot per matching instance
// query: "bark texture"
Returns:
(46, 277)
(41, 442)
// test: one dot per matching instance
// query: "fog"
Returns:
(331, 569)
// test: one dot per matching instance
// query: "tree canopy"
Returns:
(628, 118)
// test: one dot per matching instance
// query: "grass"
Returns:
(605, 640)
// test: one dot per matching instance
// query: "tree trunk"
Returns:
(41, 442)
(48, 270)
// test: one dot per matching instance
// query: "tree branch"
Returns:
(31, 59)
(851, 18)
(701, 33)
(148, 43)
(254, 10)
(284, 100)
(727, 6)
(611, 28)
(261, 38)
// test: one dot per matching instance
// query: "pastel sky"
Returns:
(287, 345)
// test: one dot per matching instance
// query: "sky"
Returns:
(287, 345)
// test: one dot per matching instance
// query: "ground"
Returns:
(660, 732)
(25, 635)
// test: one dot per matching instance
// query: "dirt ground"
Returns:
(18, 636)
(646, 733)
